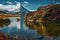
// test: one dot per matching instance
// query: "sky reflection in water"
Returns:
(14, 28)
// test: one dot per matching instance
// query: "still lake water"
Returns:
(29, 30)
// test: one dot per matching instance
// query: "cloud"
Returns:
(15, 1)
(30, 9)
(57, 3)
(9, 2)
(10, 7)
(25, 2)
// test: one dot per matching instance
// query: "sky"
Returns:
(15, 5)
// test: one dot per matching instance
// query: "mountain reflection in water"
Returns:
(29, 30)
(51, 31)
(4, 22)
(16, 32)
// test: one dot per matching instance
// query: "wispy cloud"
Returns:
(15, 1)
(25, 2)
(30, 9)
(10, 7)
(9, 2)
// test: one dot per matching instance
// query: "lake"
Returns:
(29, 30)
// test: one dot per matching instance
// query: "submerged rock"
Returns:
(3, 36)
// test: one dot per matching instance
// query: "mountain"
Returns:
(22, 10)
(50, 12)
(45, 18)
(53, 13)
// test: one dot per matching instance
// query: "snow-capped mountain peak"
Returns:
(13, 8)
